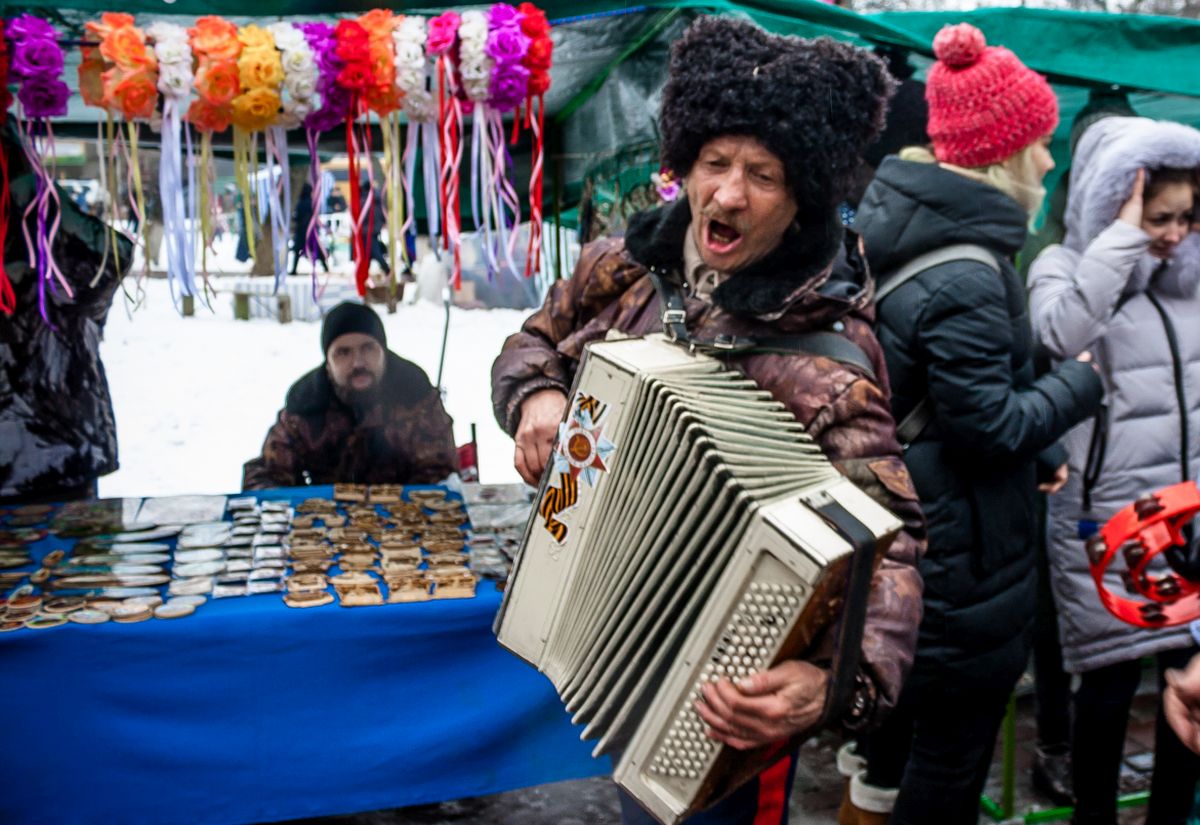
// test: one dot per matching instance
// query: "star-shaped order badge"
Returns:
(582, 447)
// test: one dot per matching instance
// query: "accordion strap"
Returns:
(824, 344)
(848, 649)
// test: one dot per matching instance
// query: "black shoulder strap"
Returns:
(824, 344)
(919, 416)
(936, 257)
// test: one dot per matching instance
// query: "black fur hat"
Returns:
(816, 104)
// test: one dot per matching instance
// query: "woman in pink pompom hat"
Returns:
(940, 225)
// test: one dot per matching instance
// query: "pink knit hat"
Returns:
(985, 105)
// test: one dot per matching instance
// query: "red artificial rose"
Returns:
(538, 56)
(533, 21)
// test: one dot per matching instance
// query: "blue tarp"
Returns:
(251, 711)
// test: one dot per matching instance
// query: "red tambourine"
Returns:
(1139, 533)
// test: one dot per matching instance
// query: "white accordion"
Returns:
(686, 529)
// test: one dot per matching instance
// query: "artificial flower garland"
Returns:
(255, 110)
(37, 62)
(175, 78)
(480, 64)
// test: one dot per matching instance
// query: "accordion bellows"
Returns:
(686, 529)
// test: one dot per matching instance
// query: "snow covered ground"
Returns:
(194, 397)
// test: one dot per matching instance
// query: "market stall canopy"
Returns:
(1140, 52)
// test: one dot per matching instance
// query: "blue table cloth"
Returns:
(251, 711)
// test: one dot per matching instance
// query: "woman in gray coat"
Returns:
(1124, 286)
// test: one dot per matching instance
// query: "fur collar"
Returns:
(403, 384)
(1102, 174)
(766, 289)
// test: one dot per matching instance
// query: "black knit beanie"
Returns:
(351, 317)
(816, 104)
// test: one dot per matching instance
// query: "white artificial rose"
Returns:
(409, 54)
(160, 32)
(419, 105)
(301, 86)
(175, 79)
(287, 37)
(473, 26)
(475, 69)
(173, 51)
(412, 28)
(298, 61)
(410, 81)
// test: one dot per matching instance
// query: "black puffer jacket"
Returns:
(960, 334)
(56, 418)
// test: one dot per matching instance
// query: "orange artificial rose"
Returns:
(252, 37)
(256, 109)
(136, 95)
(384, 100)
(379, 23)
(91, 82)
(215, 38)
(126, 48)
(260, 67)
(217, 82)
(208, 118)
(107, 23)
(383, 67)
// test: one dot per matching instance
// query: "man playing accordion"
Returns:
(767, 133)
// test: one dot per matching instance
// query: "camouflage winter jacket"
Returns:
(407, 438)
(793, 290)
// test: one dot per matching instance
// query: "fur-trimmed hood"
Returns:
(404, 383)
(1103, 171)
(810, 270)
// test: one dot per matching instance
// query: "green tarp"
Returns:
(1143, 52)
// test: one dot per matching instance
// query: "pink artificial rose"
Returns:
(443, 30)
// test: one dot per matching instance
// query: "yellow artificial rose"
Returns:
(252, 37)
(260, 67)
(256, 109)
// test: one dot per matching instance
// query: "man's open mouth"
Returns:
(721, 237)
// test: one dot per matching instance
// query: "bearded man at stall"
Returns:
(365, 416)
(768, 133)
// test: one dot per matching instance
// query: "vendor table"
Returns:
(251, 711)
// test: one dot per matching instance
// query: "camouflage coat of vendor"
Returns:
(795, 289)
(404, 438)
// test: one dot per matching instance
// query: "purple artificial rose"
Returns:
(323, 120)
(335, 106)
(41, 97)
(37, 58)
(502, 15)
(508, 87)
(27, 26)
(507, 45)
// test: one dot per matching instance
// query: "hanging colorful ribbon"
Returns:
(175, 83)
(335, 105)
(300, 76)
(443, 32)
(216, 48)
(383, 98)
(260, 76)
(37, 62)
(475, 69)
(508, 87)
(414, 77)
(357, 77)
(538, 58)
